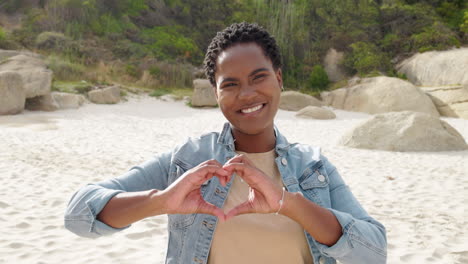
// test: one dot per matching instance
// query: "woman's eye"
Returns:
(227, 85)
(259, 77)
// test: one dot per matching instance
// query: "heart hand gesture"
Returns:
(264, 193)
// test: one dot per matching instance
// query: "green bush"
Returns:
(132, 71)
(51, 41)
(365, 58)
(318, 79)
(167, 42)
(437, 37)
(2, 34)
(65, 70)
(452, 13)
(464, 24)
(171, 74)
(83, 88)
(127, 49)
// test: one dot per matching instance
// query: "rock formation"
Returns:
(12, 93)
(437, 68)
(37, 79)
(315, 112)
(451, 101)
(332, 65)
(295, 101)
(203, 93)
(380, 95)
(404, 131)
(108, 95)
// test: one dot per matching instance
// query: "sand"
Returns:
(421, 198)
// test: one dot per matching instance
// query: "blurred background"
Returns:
(160, 44)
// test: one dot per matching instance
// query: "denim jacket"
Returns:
(303, 169)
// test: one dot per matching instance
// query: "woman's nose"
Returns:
(247, 91)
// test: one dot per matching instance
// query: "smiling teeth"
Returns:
(250, 110)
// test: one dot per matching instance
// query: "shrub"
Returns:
(51, 41)
(318, 79)
(131, 70)
(128, 49)
(2, 34)
(83, 88)
(167, 42)
(437, 37)
(65, 70)
(464, 24)
(169, 74)
(365, 58)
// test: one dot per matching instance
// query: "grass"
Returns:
(81, 87)
(65, 69)
(337, 85)
(178, 93)
(160, 92)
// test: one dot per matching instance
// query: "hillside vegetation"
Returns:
(160, 43)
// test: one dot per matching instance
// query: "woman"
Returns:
(244, 195)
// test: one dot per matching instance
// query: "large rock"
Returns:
(5, 54)
(12, 93)
(380, 95)
(37, 79)
(437, 68)
(332, 63)
(451, 101)
(42, 103)
(55, 101)
(68, 100)
(295, 101)
(108, 95)
(405, 131)
(203, 93)
(315, 112)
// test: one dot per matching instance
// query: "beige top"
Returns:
(258, 238)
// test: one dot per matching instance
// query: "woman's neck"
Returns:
(262, 142)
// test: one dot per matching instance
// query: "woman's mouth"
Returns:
(252, 109)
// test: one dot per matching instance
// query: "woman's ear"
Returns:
(215, 90)
(279, 78)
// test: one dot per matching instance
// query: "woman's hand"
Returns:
(264, 193)
(184, 195)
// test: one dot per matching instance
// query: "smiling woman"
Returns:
(244, 195)
(248, 89)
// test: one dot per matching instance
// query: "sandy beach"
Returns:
(420, 197)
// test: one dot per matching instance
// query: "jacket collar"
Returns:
(226, 138)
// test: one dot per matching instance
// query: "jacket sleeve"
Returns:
(364, 239)
(88, 201)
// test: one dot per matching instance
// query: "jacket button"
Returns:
(284, 161)
(321, 178)
(321, 260)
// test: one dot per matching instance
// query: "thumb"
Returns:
(243, 208)
(208, 208)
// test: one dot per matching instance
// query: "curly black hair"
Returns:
(240, 33)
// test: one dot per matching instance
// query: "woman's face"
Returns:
(247, 88)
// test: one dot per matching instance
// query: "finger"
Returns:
(223, 179)
(240, 159)
(243, 208)
(244, 171)
(208, 208)
(199, 175)
(211, 162)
